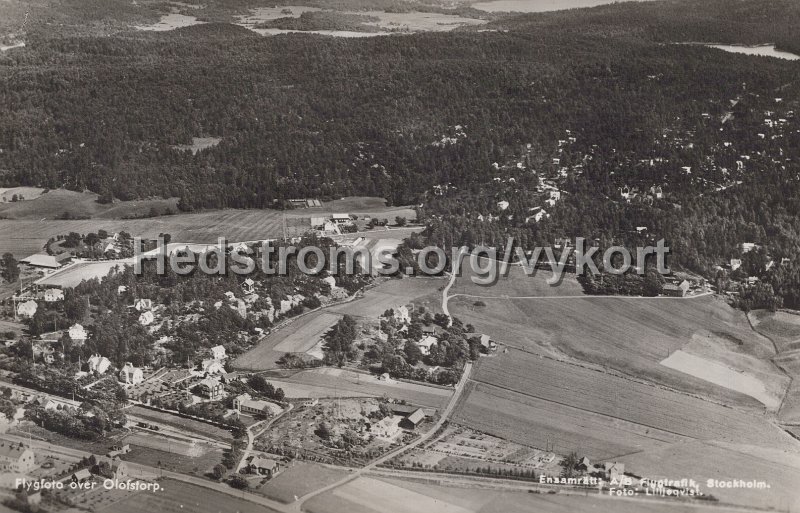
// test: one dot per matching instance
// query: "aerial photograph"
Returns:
(399, 256)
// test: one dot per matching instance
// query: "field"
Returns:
(327, 382)
(389, 294)
(298, 480)
(177, 496)
(307, 332)
(390, 495)
(29, 224)
(701, 461)
(629, 335)
(76, 273)
(180, 422)
(573, 390)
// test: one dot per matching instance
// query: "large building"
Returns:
(131, 375)
(210, 388)
(246, 404)
(15, 458)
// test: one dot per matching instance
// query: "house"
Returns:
(503, 205)
(488, 344)
(121, 290)
(210, 388)
(143, 304)
(584, 464)
(413, 420)
(16, 458)
(317, 222)
(401, 315)
(736, 263)
(614, 471)
(679, 290)
(429, 330)
(77, 333)
(246, 404)
(426, 343)
(747, 247)
(99, 364)
(115, 468)
(53, 295)
(248, 286)
(212, 366)
(217, 352)
(147, 318)
(131, 375)
(81, 476)
(27, 309)
(264, 466)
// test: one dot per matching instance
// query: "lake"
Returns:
(762, 50)
(538, 5)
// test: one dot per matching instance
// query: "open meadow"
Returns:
(628, 334)
(300, 479)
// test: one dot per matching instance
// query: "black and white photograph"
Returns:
(399, 256)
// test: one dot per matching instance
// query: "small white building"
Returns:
(147, 318)
(53, 295)
(77, 333)
(212, 366)
(27, 309)
(99, 364)
(143, 304)
(131, 375)
(426, 343)
(248, 286)
(217, 352)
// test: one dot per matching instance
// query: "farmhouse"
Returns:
(77, 333)
(210, 388)
(264, 466)
(116, 468)
(488, 344)
(614, 471)
(679, 290)
(99, 364)
(248, 286)
(401, 315)
(15, 458)
(53, 295)
(131, 375)
(27, 309)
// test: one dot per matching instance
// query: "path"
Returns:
(252, 435)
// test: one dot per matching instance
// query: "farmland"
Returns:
(389, 294)
(307, 333)
(529, 379)
(630, 335)
(177, 496)
(27, 225)
(298, 480)
(329, 382)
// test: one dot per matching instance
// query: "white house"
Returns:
(426, 343)
(341, 219)
(248, 286)
(503, 205)
(121, 289)
(143, 304)
(147, 318)
(246, 404)
(131, 375)
(99, 364)
(77, 333)
(401, 315)
(53, 295)
(217, 352)
(212, 366)
(27, 309)
(16, 458)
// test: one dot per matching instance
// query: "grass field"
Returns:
(630, 335)
(298, 480)
(530, 379)
(178, 496)
(307, 332)
(389, 294)
(392, 495)
(76, 273)
(327, 382)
